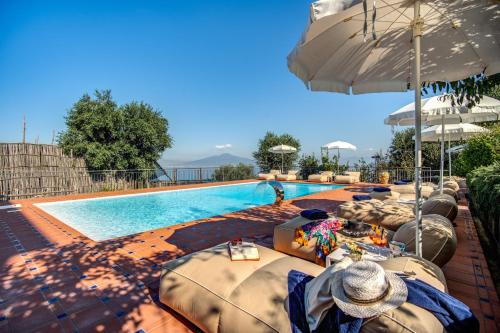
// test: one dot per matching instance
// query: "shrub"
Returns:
(308, 165)
(484, 191)
(267, 160)
(234, 172)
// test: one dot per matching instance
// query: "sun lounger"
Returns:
(291, 175)
(349, 177)
(269, 176)
(408, 191)
(223, 296)
(322, 177)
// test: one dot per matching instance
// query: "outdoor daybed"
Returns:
(269, 176)
(223, 296)
(291, 175)
(349, 177)
(322, 177)
(407, 191)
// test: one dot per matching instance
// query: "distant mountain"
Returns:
(219, 160)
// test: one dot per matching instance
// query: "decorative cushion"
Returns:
(439, 241)
(446, 190)
(389, 215)
(441, 204)
(342, 179)
(381, 189)
(360, 197)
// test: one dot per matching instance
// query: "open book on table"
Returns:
(239, 251)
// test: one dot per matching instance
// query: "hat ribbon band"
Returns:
(371, 300)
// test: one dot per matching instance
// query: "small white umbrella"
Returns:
(282, 149)
(440, 110)
(454, 132)
(460, 39)
(339, 145)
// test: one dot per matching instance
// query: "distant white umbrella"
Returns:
(339, 145)
(440, 110)
(456, 149)
(437, 107)
(454, 132)
(335, 53)
(282, 149)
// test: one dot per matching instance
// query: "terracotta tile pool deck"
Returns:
(54, 279)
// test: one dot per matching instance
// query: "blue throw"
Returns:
(400, 182)
(455, 316)
(361, 197)
(314, 214)
(381, 189)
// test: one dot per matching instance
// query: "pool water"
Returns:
(110, 217)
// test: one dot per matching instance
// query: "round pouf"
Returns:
(451, 184)
(439, 241)
(441, 204)
(446, 190)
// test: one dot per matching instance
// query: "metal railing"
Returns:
(42, 182)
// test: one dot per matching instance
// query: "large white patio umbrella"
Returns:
(336, 53)
(339, 145)
(282, 149)
(454, 132)
(440, 110)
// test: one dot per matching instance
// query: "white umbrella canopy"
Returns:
(434, 108)
(282, 149)
(456, 149)
(339, 145)
(454, 132)
(458, 39)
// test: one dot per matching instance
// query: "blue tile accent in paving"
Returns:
(62, 315)
(140, 331)
(2, 318)
(120, 314)
(93, 287)
(74, 268)
(83, 276)
(105, 299)
(44, 288)
(52, 300)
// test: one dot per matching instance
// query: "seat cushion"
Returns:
(266, 176)
(389, 215)
(286, 177)
(384, 195)
(218, 295)
(318, 178)
(439, 240)
(223, 296)
(342, 179)
(451, 184)
(446, 190)
(441, 204)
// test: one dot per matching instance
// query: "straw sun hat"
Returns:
(365, 290)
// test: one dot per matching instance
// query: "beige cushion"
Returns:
(286, 177)
(384, 195)
(223, 296)
(284, 239)
(344, 179)
(441, 204)
(451, 184)
(439, 241)
(322, 178)
(266, 176)
(409, 189)
(220, 295)
(389, 215)
(446, 190)
(354, 174)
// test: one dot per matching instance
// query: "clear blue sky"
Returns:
(216, 69)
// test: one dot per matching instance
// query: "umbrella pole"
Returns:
(449, 157)
(282, 158)
(441, 170)
(338, 160)
(417, 35)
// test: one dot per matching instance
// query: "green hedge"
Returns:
(484, 191)
(234, 172)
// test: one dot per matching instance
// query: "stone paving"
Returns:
(54, 279)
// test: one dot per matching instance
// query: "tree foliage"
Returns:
(481, 150)
(108, 136)
(468, 91)
(401, 153)
(234, 172)
(267, 160)
(308, 165)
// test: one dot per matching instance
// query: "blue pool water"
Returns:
(111, 217)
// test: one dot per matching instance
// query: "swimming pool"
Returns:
(110, 217)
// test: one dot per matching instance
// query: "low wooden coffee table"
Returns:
(374, 253)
